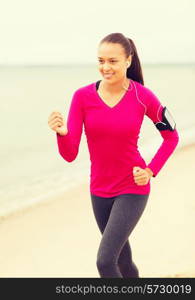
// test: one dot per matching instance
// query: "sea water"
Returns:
(31, 167)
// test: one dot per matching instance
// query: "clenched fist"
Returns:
(142, 176)
(56, 123)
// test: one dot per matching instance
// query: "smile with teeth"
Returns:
(108, 75)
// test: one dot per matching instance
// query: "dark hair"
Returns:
(134, 71)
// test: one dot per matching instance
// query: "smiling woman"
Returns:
(109, 66)
(116, 64)
(113, 64)
(112, 111)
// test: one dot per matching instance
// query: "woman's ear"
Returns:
(129, 62)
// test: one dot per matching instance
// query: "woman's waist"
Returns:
(120, 157)
(116, 166)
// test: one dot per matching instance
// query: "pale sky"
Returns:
(64, 31)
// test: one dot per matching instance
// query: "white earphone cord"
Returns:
(145, 105)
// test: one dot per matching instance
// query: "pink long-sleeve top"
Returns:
(112, 135)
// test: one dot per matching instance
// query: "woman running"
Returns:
(112, 111)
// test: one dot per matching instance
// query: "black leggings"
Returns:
(116, 218)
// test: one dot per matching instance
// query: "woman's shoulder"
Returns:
(85, 89)
(142, 88)
(145, 92)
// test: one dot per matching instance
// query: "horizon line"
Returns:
(87, 63)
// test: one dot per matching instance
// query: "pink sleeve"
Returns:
(170, 138)
(68, 145)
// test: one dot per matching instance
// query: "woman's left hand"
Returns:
(142, 176)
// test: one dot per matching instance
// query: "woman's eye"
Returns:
(112, 61)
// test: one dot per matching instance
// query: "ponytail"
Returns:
(135, 71)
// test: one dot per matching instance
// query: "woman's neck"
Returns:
(115, 88)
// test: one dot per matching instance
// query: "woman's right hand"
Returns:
(56, 123)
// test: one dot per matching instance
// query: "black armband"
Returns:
(167, 122)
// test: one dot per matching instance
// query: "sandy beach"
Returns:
(60, 238)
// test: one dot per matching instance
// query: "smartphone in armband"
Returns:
(167, 122)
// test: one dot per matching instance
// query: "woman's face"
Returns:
(112, 62)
